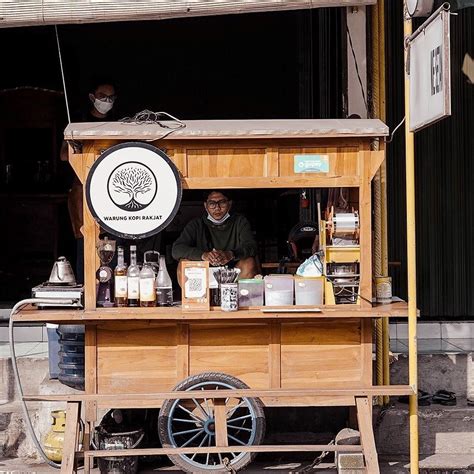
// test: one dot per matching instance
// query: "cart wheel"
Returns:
(183, 423)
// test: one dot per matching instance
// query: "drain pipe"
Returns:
(26, 415)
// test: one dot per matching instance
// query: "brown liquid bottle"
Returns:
(121, 294)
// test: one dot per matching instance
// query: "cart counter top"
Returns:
(65, 315)
(228, 129)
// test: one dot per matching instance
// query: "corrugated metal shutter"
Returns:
(444, 182)
(48, 12)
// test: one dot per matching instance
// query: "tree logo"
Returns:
(132, 186)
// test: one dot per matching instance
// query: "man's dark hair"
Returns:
(97, 81)
(225, 192)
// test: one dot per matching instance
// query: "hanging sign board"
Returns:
(133, 190)
(430, 72)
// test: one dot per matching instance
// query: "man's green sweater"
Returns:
(234, 234)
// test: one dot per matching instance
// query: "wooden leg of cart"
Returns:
(367, 440)
(71, 437)
(88, 433)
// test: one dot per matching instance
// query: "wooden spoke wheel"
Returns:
(192, 423)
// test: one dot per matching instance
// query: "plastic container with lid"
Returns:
(309, 290)
(251, 292)
(279, 290)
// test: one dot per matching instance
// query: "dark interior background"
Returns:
(272, 65)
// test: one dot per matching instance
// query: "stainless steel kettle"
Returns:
(62, 273)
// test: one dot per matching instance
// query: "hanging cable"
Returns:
(16, 374)
(389, 140)
(62, 74)
(357, 71)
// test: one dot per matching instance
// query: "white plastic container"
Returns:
(309, 291)
(279, 290)
(250, 292)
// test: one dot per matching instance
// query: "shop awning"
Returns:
(49, 12)
(227, 129)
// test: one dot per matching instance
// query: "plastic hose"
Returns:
(26, 415)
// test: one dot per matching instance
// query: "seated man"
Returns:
(218, 237)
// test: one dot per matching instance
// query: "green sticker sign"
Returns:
(311, 163)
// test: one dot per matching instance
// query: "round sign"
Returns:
(133, 190)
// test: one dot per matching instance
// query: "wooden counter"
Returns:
(74, 316)
(149, 350)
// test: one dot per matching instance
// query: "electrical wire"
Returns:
(16, 374)
(357, 71)
(62, 74)
(148, 117)
(394, 130)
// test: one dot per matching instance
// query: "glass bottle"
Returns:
(121, 293)
(133, 279)
(147, 285)
(164, 286)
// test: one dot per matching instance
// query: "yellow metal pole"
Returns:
(411, 267)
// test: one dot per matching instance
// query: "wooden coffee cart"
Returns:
(135, 356)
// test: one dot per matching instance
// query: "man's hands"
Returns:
(218, 257)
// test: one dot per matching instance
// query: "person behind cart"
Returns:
(219, 237)
(102, 99)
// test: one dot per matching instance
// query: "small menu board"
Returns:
(194, 285)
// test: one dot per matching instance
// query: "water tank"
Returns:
(71, 356)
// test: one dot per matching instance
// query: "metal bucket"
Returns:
(104, 439)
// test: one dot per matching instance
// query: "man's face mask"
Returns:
(103, 105)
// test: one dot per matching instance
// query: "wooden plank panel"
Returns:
(226, 163)
(366, 351)
(90, 230)
(370, 391)
(306, 180)
(182, 355)
(287, 448)
(220, 416)
(342, 161)
(321, 354)
(275, 355)
(365, 212)
(138, 361)
(272, 166)
(70, 437)
(178, 157)
(364, 418)
(90, 357)
(242, 351)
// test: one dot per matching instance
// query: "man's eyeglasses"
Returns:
(105, 97)
(220, 203)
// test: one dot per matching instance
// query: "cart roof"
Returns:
(228, 129)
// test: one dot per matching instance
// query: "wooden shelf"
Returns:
(32, 314)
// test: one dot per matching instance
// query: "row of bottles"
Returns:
(150, 286)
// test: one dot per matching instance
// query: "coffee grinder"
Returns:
(105, 291)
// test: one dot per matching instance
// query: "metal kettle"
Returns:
(62, 273)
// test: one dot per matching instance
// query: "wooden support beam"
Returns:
(71, 437)
(287, 448)
(220, 421)
(364, 418)
(237, 393)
